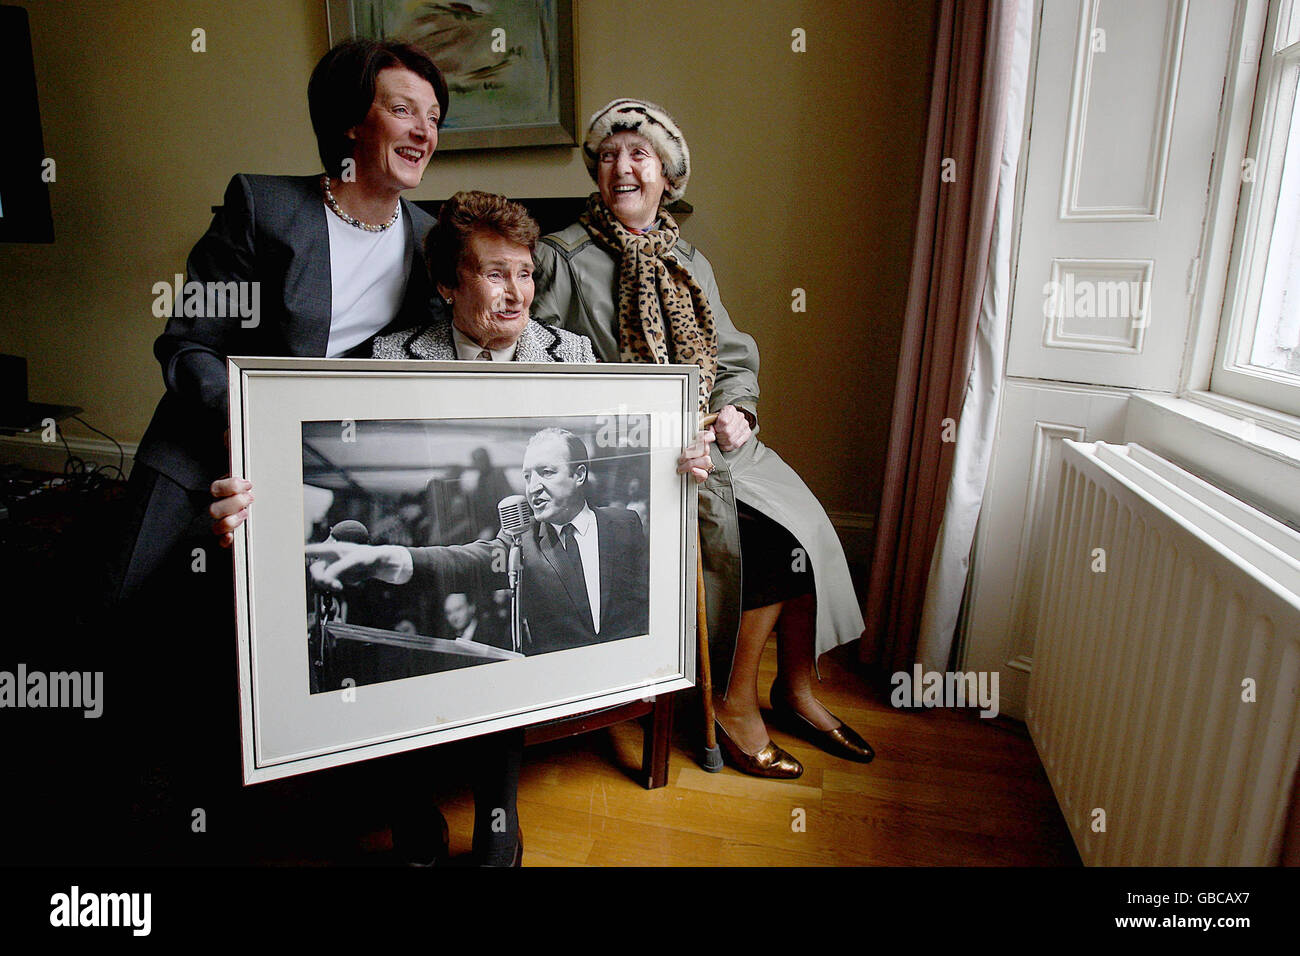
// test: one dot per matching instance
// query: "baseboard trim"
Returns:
(30, 451)
(852, 520)
(857, 531)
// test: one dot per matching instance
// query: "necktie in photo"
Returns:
(575, 576)
(484, 356)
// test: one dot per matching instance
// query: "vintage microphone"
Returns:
(327, 604)
(516, 518)
(352, 531)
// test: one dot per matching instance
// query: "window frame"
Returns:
(1227, 378)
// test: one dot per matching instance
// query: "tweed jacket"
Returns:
(577, 289)
(537, 343)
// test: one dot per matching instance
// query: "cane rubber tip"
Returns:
(712, 759)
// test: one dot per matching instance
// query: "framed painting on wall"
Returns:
(508, 63)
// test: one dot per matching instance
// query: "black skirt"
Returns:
(774, 567)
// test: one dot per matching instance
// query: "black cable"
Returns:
(59, 431)
(78, 472)
(102, 472)
(72, 465)
(121, 454)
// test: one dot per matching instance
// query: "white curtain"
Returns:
(979, 417)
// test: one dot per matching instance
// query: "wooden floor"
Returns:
(946, 789)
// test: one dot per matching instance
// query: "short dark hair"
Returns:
(464, 214)
(342, 88)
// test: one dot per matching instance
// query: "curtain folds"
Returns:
(963, 171)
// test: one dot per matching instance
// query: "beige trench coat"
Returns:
(576, 286)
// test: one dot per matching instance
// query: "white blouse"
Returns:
(367, 280)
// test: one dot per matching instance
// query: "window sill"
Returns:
(1250, 452)
(1243, 411)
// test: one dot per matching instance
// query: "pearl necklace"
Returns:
(334, 205)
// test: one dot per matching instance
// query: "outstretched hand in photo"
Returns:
(334, 564)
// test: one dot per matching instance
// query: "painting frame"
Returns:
(286, 728)
(366, 18)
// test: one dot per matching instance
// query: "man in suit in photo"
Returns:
(465, 623)
(585, 570)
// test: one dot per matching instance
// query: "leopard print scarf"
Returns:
(652, 284)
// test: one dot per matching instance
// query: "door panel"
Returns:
(1011, 543)
(1122, 138)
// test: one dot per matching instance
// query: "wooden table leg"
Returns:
(657, 730)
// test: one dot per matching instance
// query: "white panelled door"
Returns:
(1124, 113)
(1126, 104)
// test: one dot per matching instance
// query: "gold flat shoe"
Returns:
(771, 761)
(843, 741)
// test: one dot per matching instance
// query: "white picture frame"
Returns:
(288, 729)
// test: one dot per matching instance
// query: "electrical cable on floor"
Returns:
(83, 475)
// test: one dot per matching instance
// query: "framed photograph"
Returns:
(445, 549)
(508, 63)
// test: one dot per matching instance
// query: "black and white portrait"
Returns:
(439, 544)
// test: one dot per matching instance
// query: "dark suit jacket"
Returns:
(556, 613)
(270, 230)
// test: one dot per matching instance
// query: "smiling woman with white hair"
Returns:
(623, 277)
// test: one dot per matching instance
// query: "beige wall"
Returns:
(804, 175)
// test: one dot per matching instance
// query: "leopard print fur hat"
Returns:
(648, 120)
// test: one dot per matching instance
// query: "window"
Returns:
(1258, 355)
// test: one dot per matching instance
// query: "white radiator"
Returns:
(1136, 695)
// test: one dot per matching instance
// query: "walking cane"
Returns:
(712, 761)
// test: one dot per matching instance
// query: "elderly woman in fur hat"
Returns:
(623, 277)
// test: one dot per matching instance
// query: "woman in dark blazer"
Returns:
(327, 264)
(286, 242)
